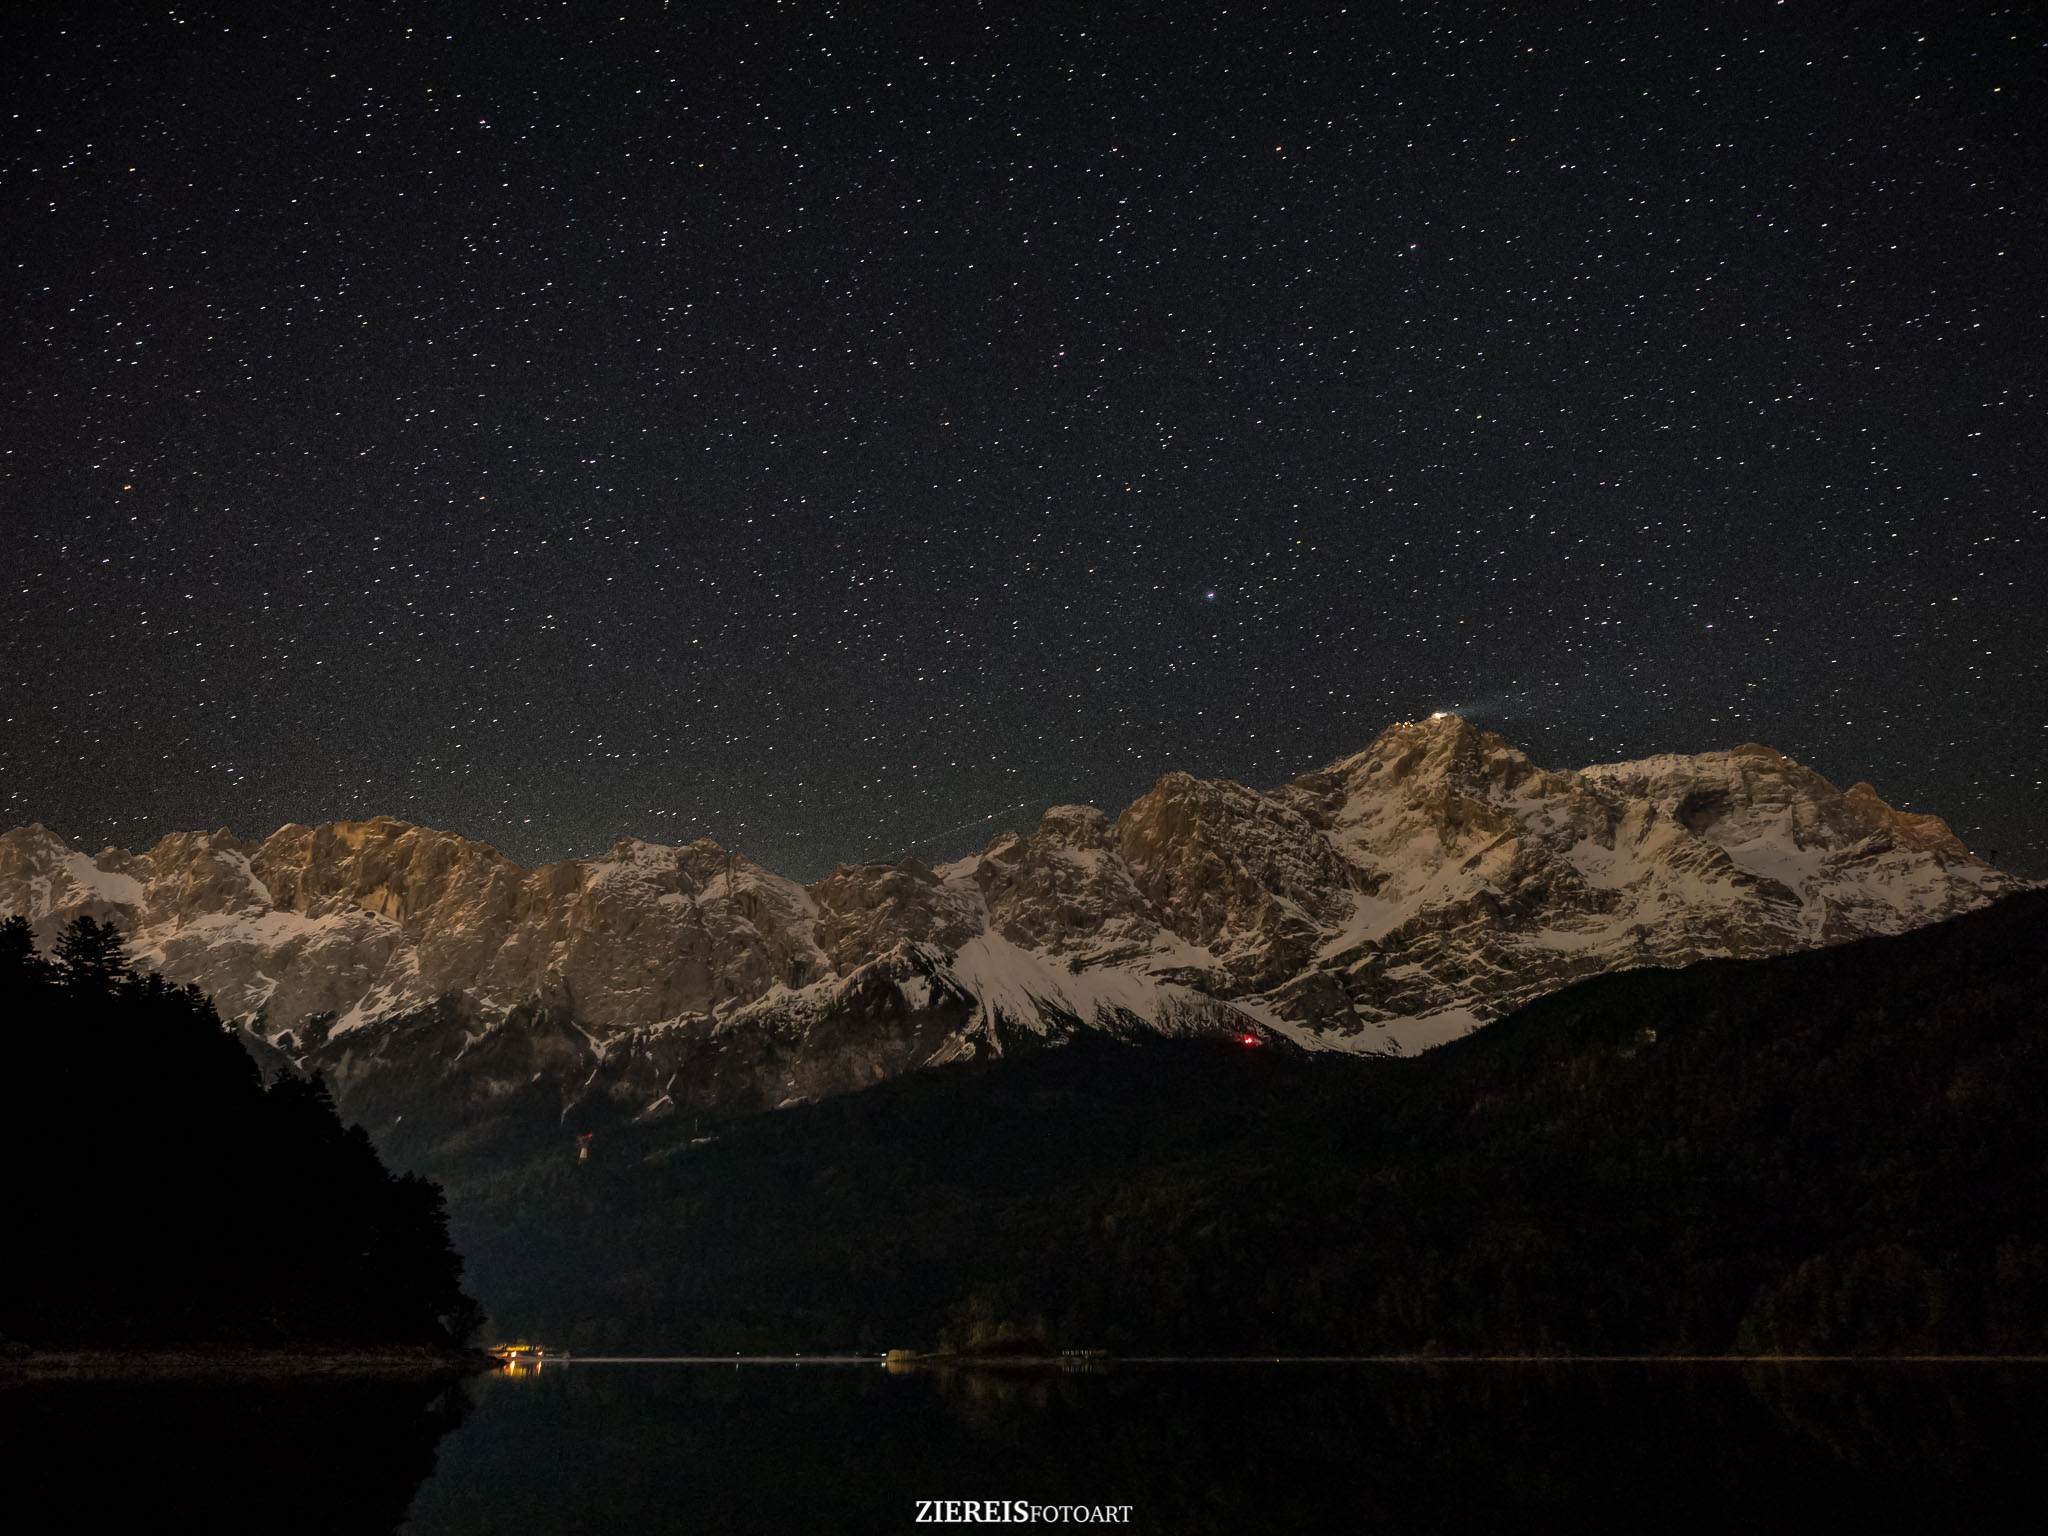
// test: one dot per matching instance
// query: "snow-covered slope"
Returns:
(1393, 900)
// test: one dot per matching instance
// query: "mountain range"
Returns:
(1392, 901)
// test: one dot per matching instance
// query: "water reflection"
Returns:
(223, 1455)
(646, 1448)
(1937, 1425)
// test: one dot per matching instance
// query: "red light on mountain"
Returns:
(1248, 1039)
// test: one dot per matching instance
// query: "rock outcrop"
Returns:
(1389, 902)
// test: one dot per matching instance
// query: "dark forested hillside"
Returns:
(1842, 1151)
(160, 1193)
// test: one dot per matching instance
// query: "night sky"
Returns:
(844, 431)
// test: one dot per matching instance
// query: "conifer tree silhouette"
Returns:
(92, 954)
(193, 1204)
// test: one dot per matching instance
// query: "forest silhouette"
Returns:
(1836, 1152)
(165, 1194)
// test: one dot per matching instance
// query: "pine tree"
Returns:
(92, 953)
(22, 967)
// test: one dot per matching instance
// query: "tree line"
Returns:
(163, 1193)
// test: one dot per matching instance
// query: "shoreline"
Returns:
(269, 1364)
(420, 1361)
(1040, 1362)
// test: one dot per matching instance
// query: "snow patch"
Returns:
(1372, 918)
(103, 884)
(1409, 1037)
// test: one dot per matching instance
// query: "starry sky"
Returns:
(842, 431)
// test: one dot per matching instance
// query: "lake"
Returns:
(636, 1449)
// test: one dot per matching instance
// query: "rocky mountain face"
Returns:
(1389, 902)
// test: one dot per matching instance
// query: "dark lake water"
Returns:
(631, 1450)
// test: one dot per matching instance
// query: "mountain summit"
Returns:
(1394, 900)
